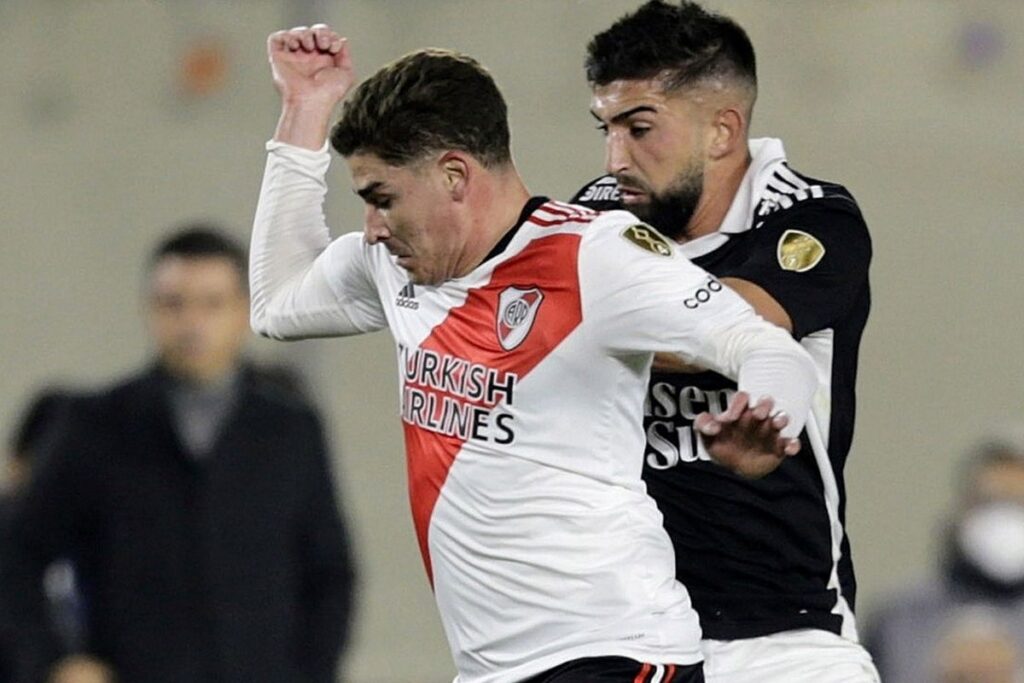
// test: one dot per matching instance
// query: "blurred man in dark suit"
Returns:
(197, 502)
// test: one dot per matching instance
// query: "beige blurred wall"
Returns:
(100, 155)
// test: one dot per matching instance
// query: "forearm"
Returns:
(292, 297)
(328, 623)
(766, 361)
(329, 595)
(788, 378)
(304, 123)
(330, 574)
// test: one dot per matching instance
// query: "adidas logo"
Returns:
(407, 298)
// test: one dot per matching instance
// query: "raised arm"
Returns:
(312, 71)
(303, 284)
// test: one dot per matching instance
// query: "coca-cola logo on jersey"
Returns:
(703, 294)
(517, 309)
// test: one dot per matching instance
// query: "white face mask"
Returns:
(991, 536)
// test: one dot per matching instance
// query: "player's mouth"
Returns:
(398, 253)
(403, 259)
(629, 195)
(631, 190)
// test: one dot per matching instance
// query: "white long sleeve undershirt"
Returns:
(295, 292)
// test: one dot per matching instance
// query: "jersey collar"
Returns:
(532, 205)
(766, 155)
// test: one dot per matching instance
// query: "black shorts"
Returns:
(619, 670)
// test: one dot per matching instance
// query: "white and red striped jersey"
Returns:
(522, 390)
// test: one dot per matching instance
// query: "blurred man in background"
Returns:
(981, 564)
(766, 561)
(197, 501)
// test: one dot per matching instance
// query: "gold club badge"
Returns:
(648, 239)
(798, 251)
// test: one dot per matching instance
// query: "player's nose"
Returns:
(374, 226)
(616, 154)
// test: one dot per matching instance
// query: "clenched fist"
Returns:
(312, 69)
(310, 64)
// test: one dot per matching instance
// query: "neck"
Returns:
(721, 183)
(494, 207)
(210, 380)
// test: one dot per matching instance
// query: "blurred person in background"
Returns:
(673, 91)
(977, 648)
(43, 413)
(197, 500)
(981, 564)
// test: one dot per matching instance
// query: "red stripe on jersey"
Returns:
(564, 213)
(470, 332)
(567, 210)
(544, 223)
(570, 209)
(643, 673)
(670, 671)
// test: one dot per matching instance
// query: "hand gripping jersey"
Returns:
(522, 387)
(773, 553)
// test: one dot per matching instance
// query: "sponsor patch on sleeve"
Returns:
(799, 251)
(648, 239)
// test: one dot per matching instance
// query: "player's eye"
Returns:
(603, 127)
(639, 131)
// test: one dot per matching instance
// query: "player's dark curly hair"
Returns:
(427, 101)
(684, 40)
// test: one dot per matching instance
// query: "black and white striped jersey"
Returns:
(770, 555)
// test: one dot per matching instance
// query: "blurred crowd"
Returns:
(966, 623)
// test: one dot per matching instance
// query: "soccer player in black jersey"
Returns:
(767, 560)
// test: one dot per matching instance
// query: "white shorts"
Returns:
(802, 656)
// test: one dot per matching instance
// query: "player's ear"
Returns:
(727, 132)
(455, 168)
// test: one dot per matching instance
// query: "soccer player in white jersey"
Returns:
(525, 330)
(674, 89)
